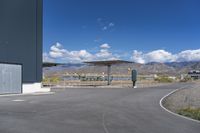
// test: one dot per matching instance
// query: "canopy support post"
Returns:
(108, 72)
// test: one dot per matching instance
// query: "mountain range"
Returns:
(170, 68)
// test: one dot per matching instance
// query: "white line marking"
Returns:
(161, 105)
(103, 123)
(18, 100)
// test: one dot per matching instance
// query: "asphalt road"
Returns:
(92, 110)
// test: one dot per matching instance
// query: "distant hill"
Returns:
(157, 68)
(184, 67)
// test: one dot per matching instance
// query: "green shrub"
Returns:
(164, 80)
(54, 80)
(45, 80)
(51, 80)
(189, 112)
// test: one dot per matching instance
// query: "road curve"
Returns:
(93, 110)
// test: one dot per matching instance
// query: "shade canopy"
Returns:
(107, 63)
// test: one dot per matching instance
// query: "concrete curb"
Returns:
(161, 105)
(28, 94)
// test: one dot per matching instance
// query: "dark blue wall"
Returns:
(21, 36)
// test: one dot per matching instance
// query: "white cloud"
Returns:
(104, 24)
(46, 58)
(159, 56)
(111, 24)
(105, 28)
(189, 55)
(105, 54)
(153, 56)
(138, 57)
(57, 52)
(105, 46)
(165, 56)
(77, 56)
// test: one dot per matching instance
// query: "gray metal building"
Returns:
(21, 36)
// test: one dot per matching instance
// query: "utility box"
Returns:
(134, 75)
(10, 78)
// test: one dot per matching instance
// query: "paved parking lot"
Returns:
(92, 110)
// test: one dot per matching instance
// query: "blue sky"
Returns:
(137, 30)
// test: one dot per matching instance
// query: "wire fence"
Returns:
(99, 80)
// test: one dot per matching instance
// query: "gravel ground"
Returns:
(184, 98)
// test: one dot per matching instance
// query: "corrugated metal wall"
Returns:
(10, 78)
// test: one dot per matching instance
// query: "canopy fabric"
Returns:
(107, 63)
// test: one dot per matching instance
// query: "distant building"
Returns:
(195, 74)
